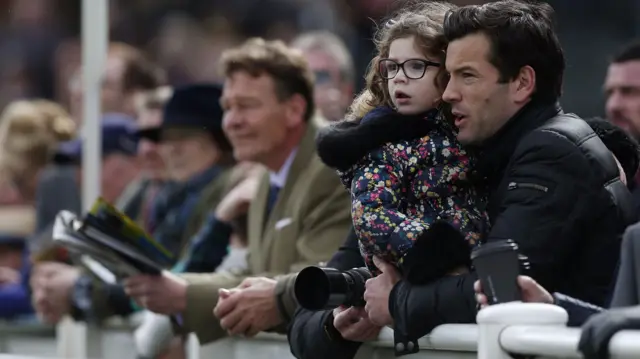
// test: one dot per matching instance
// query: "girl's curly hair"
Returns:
(424, 22)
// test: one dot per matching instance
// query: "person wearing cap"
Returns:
(299, 216)
(197, 156)
(52, 283)
(119, 148)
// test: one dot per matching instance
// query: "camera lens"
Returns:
(327, 288)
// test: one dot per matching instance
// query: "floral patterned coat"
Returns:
(405, 174)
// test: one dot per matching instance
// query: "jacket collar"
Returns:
(495, 152)
(343, 144)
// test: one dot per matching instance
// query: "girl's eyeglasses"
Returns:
(413, 68)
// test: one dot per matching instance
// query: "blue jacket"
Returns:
(15, 299)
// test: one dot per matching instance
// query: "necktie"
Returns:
(147, 206)
(274, 190)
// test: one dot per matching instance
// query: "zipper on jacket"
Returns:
(538, 187)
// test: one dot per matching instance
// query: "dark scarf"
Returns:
(494, 154)
(342, 144)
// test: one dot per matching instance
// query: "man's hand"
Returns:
(250, 308)
(164, 294)
(600, 328)
(377, 291)
(530, 291)
(237, 201)
(354, 324)
(51, 285)
(9, 276)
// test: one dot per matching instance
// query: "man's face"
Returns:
(622, 91)
(480, 105)
(256, 122)
(148, 151)
(332, 93)
(186, 152)
(113, 96)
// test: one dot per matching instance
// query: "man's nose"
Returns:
(146, 147)
(614, 104)
(231, 121)
(451, 93)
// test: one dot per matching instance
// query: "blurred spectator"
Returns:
(622, 92)
(16, 223)
(622, 89)
(138, 198)
(30, 132)
(127, 72)
(9, 194)
(156, 334)
(299, 216)
(179, 34)
(332, 65)
(196, 152)
(119, 162)
(136, 201)
(57, 187)
(51, 283)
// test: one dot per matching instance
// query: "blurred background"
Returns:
(39, 41)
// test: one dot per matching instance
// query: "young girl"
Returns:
(397, 154)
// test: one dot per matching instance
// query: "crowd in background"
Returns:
(40, 41)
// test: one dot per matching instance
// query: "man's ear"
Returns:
(296, 109)
(524, 84)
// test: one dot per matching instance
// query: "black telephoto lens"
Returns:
(319, 288)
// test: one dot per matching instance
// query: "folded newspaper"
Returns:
(109, 243)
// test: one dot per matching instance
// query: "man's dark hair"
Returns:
(140, 73)
(620, 143)
(630, 52)
(521, 33)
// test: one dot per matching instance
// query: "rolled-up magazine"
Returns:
(110, 242)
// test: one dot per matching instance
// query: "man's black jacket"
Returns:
(549, 197)
(311, 334)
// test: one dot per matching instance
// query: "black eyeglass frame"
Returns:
(384, 74)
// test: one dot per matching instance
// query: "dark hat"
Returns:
(118, 136)
(194, 107)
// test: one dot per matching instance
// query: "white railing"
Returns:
(528, 329)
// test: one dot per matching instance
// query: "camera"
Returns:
(319, 288)
(438, 252)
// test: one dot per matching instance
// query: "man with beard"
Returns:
(622, 91)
